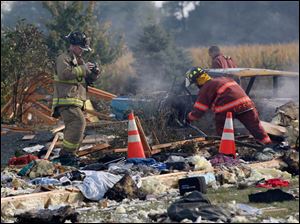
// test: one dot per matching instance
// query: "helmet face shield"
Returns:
(187, 82)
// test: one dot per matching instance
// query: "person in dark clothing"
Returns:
(219, 60)
(223, 95)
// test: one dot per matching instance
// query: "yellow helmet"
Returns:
(196, 75)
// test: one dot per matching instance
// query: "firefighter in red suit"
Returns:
(219, 60)
(221, 95)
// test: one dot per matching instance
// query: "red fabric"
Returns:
(271, 183)
(221, 61)
(22, 160)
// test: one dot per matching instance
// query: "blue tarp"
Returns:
(121, 106)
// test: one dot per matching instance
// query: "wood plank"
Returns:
(16, 129)
(51, 146)
(145, 144)
(47, 110)
(155, 137)
(171, 179)
(36, 200)
(3, 132)
(44, 117)
(178, 143)
(273, 129)
(57, 129)
(93, 89)
(275, 163)
(100, 94)
(93, 140)
(28, 137)
(98, 114)
(95, 148)
(6, 107)
(157, 148)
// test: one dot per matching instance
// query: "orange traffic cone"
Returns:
(227, 145)
(135, 147)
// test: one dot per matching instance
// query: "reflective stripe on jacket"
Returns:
(220, 95)
(69, 84)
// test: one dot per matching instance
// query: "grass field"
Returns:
(273, 56)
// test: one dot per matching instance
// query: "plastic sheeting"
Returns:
(96, 184)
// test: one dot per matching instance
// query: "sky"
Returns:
(158, 3)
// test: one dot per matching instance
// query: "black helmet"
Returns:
(192, 74)
(80, 39)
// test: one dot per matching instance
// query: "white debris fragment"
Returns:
(32, 149)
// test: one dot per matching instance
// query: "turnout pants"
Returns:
(250, 120)
(74, 127)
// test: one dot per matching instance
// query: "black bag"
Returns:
(194, 205)
(192, 184)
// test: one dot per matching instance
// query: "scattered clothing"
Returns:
(22, 160)
(221, 159)
(248, 210)
(271, 183)
(96, 184)
(45, 181)
(194, 205)
(271, 196)
(95, 166)
(178, 166)
(26, 169)
(149, 161)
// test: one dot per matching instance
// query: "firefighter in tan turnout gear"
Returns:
(70, 85)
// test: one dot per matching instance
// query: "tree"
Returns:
(159, 63)
(24, 55)
(71, 16)
(127, 17)
(177, 13)
(237, 22)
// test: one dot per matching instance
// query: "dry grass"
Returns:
(273, 56)
(115, 75)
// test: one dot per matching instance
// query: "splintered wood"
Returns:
(35, 106)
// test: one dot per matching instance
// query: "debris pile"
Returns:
(185, 180)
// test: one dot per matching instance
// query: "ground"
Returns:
(137, 211)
